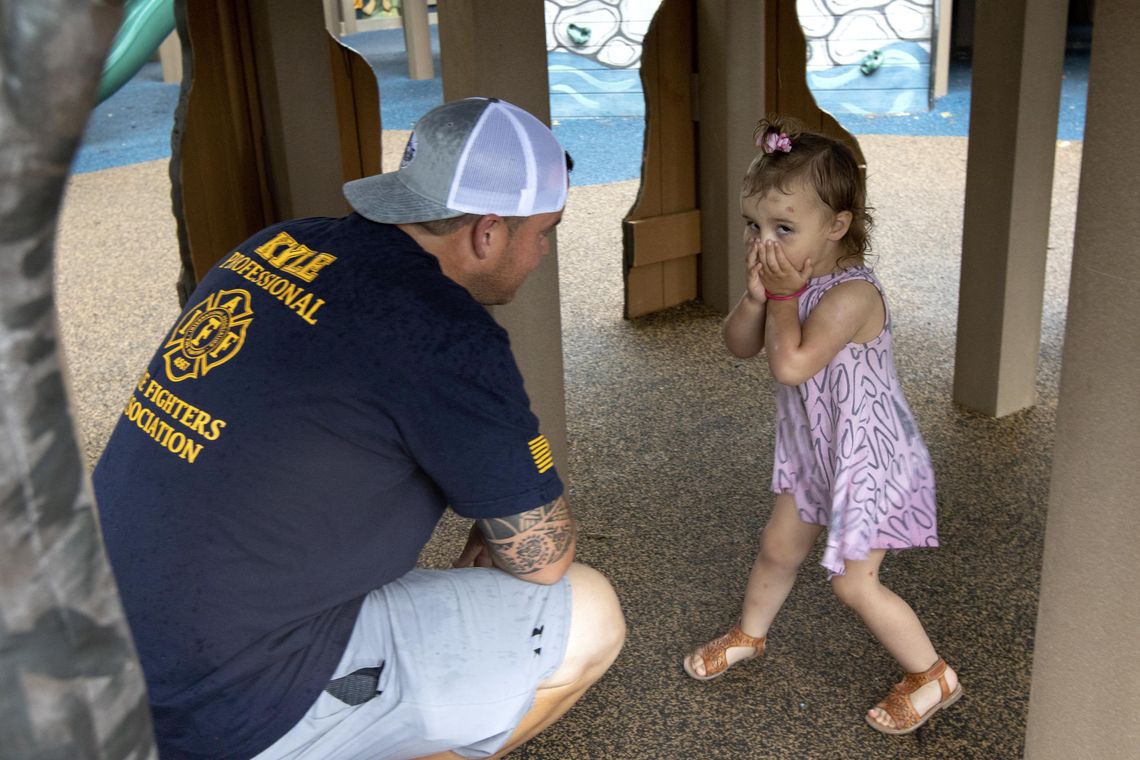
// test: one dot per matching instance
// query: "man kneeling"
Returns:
(331, 387)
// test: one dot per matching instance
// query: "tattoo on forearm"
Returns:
(527, 542)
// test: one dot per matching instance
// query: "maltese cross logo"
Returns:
(211, 333)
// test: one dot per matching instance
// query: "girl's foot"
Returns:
(915, 699)
(720, 654)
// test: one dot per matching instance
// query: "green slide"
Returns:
(146, 23)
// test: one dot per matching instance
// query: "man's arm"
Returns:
(536, 545)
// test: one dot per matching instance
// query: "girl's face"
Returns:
(799, 221)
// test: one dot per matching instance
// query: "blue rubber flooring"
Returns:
(134, 124)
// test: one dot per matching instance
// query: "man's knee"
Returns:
(597, 628)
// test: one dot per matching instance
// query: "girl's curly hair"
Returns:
(788, 152)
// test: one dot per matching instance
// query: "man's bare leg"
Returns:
(597, 632)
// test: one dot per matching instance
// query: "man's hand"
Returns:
(536, 545)
(475, 553)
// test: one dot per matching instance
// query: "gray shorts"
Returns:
(463, 652)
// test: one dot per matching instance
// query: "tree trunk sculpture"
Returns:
(70, 684)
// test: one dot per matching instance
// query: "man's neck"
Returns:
(445, 248)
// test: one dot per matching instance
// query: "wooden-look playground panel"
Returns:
(274, 116)
(665, 237)
(662, 231)
(787, 92)
(221, 192)
(358, 112)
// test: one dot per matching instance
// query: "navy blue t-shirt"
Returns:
(325, 394)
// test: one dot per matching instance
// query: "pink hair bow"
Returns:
(776, 142)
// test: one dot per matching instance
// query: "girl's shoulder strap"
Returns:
(858, 272)
(861, 272)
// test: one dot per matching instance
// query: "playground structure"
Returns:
(146, 24)
(1010, 161)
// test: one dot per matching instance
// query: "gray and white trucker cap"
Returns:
(473, 156)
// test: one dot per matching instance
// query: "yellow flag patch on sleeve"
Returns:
(540, 451)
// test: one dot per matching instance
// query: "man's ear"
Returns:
(487, 234)
(839, 225)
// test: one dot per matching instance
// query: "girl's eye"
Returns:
(784, 229)
(753, 227)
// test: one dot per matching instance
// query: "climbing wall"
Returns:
(594, 56)
(869, 56)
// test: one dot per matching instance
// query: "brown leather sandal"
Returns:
(714, 657)
(897, 704)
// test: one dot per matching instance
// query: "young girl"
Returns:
(848, 456)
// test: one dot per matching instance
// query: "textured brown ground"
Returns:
(670, 445)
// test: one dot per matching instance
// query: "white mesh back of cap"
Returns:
(511, 166)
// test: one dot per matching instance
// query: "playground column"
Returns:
(497, 48)
(1084, 701)
(417, 39)
(731, 98)
(170, 56)
(72, 686)
(1018, 59)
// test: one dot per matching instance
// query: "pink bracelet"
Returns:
(788, 297)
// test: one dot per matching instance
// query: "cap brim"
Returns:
(385, 198)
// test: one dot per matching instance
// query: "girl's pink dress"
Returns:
(847, 447)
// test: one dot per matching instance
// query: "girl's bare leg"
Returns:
(784, 544)
(892, 621)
